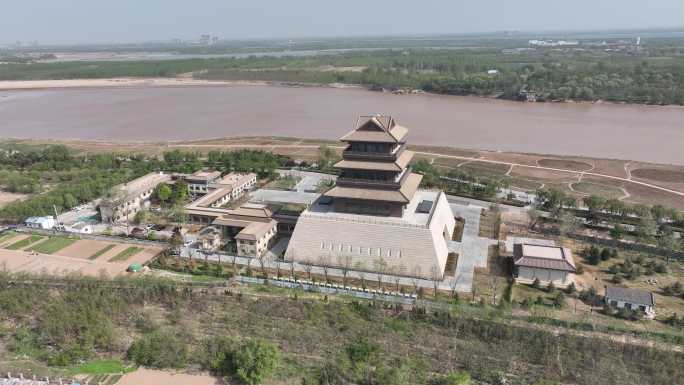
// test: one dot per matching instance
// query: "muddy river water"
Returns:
(647, 133)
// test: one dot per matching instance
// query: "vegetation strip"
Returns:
(7, 236)
(125, 254)
(24, 242)
(52, 245)
(100, 252)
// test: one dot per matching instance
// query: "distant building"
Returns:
(210, 238)
(376, 218)
(199, 182)
(128, 198)
(632, 299)
(218, 193)
(44, 223)
(545, 263)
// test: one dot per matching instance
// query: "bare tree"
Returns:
(233, 261)
(380, 268)
(360, 266)
(395, 270)
(307, 267)
(415, 279)
(292, 269)
(345, 264)
(453, 285)
(494, 285)
(436, 277)
(324, 263)
(276, 261)
(262, 263)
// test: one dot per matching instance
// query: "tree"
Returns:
(536, 283)
(646, 229)
(255, 361)
(327, 157)
(616, 232)
(345, 264)
(605, 254)
(324, 262)
(160, 349)
(559, 299)
(595, 204)
(141, 217)
(163, 192)
(436, 277)
(179, 193)
(380, 268)
(69, 200)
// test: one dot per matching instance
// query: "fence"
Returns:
(289, 283)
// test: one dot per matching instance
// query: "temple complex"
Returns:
(376, 218)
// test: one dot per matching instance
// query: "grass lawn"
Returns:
(598, 189)
(125, 254)
(52, 245)
(101, 367)
(24, 242)
(101, 251)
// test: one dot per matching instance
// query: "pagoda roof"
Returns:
(377, 129)
(402, 195)
(396, 166)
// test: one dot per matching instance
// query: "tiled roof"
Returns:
(633, 296)
(403, 195)
(542, 261)
(255, 230)
(384, 130)
(367, 165)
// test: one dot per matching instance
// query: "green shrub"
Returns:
(159, 349)
(453, 378)
(255, 361)
(361, 351)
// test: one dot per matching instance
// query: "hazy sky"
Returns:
(82, 21)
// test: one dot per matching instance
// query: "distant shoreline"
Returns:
(142, 82)
(131, 82)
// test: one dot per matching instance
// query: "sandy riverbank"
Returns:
(14, 85)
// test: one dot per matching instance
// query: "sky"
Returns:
(109, 21)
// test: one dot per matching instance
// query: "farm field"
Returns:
(125, 254)
(23, 243)
(52, 245)
(61, 255)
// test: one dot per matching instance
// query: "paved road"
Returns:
(472, 250)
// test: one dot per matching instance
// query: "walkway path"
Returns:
(656, 187)
(464, 158)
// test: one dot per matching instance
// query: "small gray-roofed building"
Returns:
(633, 299)
(545, 263)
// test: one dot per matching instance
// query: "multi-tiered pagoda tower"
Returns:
(376, 218)
(376, 178)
